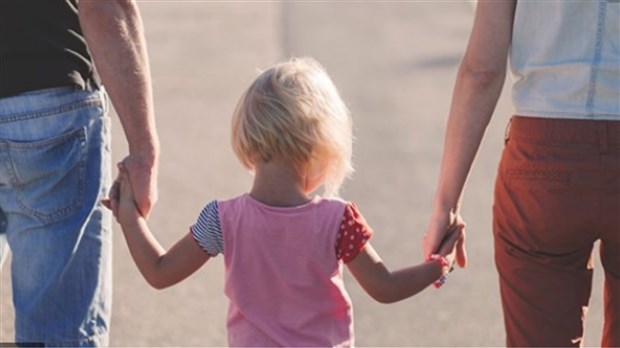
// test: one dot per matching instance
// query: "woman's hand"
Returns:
(452, 242)
(437, 236)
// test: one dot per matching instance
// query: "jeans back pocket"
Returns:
(49, 175)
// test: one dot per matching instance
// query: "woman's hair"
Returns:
(293, 113)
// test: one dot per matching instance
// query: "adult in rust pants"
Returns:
(558, 188)
(557, 192)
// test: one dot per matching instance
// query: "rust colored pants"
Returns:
(557, 192)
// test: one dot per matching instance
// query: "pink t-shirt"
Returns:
(284, 270)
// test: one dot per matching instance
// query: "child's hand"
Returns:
(112, 201)
(447, 248)
(127, 209)
(121, 200)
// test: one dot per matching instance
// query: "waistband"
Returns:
(41, 102)
(550, 130)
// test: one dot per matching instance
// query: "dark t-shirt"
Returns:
(42, 46)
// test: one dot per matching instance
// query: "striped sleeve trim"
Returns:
(207, 230)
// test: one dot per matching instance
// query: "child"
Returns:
(284, 248)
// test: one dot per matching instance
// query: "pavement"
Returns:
(394, 63)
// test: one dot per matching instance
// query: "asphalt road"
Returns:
(394, 63)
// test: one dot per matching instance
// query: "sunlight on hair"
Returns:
(293, 113)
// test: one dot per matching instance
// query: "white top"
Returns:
(565, 59)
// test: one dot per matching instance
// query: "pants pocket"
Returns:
(546, 201)
(49, 175)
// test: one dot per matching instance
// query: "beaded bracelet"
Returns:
(445, 269)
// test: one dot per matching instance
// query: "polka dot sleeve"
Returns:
(353, 234)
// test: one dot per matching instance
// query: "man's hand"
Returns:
(143, 178)
(114, 34)
(142, 174)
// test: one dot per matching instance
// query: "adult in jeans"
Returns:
(55, 157)
(558, 184)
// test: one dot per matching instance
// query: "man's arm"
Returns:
(477, 88)
(114, 35)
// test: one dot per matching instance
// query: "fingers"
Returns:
(143, 183)
(121, 198)
(115, 190)
(450, 240)
(455, 235)
(435, 234)
(461, 253)
(107, 203)
(441, 228)
(456, 223)
(113, 196)
(431, 244)
(126, 189)
(446, 236)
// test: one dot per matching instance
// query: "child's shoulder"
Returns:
(335, 203)
(230, 202)
(217, 204)
(241, 202)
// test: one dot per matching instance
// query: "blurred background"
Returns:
(394, 63)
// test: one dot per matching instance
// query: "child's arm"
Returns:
(386, 286)
(161, 269)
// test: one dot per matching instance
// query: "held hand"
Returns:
(127, 209)
(449, 246)
(113, 197)
(121, 199)
(439, 226)
(142, 174)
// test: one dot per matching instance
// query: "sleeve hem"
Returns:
(191, 230)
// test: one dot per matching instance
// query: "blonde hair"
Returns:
(292, 112)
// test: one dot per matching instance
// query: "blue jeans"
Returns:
(54, 170)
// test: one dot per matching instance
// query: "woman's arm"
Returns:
(477, 88)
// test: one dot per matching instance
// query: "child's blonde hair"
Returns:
(292, 112)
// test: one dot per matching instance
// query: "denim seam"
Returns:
(50, 112)
(81, 135)
(11, 169)
(551, 141)
(537, 174)
(596, 59)
(76, 342)
(76, 204)
(81, 168)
